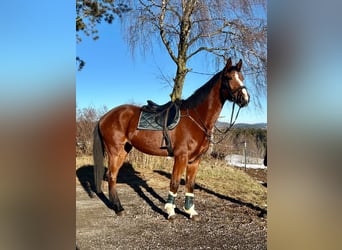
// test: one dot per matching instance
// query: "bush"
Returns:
(234, 143)
(86, 119)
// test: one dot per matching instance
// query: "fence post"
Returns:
(245, 152)
(211, 144)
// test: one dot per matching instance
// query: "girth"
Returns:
(160, 117)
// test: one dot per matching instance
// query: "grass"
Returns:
(229, 181)
(214, 175)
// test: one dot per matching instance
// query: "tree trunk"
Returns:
(179, 81)
(185, 27)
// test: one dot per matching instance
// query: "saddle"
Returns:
(154, 107)
(160, 117)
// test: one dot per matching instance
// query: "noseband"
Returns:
(231, 92)
(236, 98)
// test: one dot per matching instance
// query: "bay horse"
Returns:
(116, 133)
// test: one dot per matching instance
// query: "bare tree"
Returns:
(186, 28)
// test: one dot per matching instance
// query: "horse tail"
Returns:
(98, 156)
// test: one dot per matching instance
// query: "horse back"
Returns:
(119, 121)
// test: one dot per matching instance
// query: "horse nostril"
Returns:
(243, 102)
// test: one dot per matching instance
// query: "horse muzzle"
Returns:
(242, 99)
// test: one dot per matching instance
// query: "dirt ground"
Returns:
(225, 223)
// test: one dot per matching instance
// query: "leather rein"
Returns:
(232, 119)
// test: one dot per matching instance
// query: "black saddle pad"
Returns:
(155, 120)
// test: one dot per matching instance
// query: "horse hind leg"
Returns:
(115, 162)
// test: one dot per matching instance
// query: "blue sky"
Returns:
(112, 76)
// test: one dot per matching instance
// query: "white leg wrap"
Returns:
(170, 206)
(172, 194)
(191, 211)
(170, 209)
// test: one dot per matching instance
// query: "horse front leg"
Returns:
(178, 169)
(189, 206)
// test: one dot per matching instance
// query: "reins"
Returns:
(232, 119)
(232, 114)
(225, 132)
(231, 124)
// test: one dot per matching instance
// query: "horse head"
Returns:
(233, 88)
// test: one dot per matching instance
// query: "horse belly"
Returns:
(149, 142)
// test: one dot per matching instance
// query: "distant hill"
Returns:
(243, 125)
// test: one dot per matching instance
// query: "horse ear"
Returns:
(228, 64)
(239, 65)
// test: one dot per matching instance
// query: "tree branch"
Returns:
(219, 31)
(210, 50)
(163, 33)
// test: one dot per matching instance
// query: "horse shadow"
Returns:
(261, 212)
(127, 175)
(85, 175)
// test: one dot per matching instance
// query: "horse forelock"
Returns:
(233, 68)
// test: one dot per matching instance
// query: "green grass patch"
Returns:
(232, 182)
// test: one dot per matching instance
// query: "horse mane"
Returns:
(200, 94)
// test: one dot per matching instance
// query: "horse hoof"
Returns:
(172, 218)
(195, 218)
(120, 213)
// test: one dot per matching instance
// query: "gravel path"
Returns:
(225, 223)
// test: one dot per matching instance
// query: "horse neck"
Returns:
(209, 110)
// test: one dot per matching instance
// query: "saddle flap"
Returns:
(155, 117)
(169, 114)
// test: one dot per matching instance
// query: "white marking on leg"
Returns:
(191, 211)
(170, 209)
(173, 194)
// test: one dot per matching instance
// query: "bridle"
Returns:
(232, 119)
(231, 93)
(234, 99)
